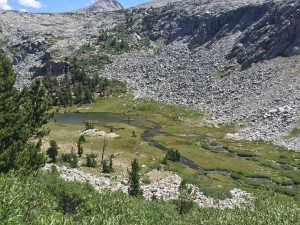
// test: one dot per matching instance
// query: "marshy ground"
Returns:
(148, 128)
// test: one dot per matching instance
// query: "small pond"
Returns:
(102, 118)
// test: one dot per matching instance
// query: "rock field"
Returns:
(166, 188)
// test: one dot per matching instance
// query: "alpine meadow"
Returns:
(168, 112)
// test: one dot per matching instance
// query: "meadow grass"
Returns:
(44, 198)
(250, 162)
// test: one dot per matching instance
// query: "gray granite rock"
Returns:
(165, 189)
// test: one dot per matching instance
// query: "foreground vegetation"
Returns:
(43, 198)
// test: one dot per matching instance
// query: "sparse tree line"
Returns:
(72, 157)
(80, 88)
(115, 43)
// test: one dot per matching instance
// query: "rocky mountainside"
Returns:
(103, 6)
(156, 3)
(236, 60)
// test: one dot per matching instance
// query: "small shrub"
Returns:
(216, 192)
(66, 157)
(154, 197)
(146, 180)
(213, 143)
(73, 161)
(155, 166)
(91, 160)
(173, 155)
(107, 168)
(294, 176)
(226, 147)
(70, 158)
(287, 167)
(245, 154)
(185, 199)
(81, 139)
(165, 160)
(205, 146)
(133, 134)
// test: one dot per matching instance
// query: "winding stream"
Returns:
(149, 133)
(103, 118)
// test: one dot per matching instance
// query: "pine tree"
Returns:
(52, 151)
(134, 180)
(22, 114)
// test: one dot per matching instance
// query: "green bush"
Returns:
(294, 176)
(146, 180)
(73, 161)
(91, 160)
(155, 166)
(173, 155)
(185, 200)
(107, 168)
(66, 157)
(81, 139)
(226, 147)
(70, 158)
(213, 143)
(205, 146)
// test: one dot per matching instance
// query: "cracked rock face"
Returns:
(237, 60)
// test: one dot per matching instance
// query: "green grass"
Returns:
(242, 169)
(294, 133)
(44, 198)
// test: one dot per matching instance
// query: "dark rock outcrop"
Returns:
(51, 68)
(31, 47)
(277, 33)
(269, 29)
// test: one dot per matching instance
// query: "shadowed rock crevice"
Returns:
(276, 34)
(178, 24)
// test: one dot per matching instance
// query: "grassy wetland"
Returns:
(148, 128)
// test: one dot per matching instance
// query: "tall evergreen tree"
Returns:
(134, 180)
(22, 114)
(52, 151)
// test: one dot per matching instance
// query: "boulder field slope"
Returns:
(237, 60)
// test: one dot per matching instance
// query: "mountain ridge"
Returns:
(235, 60)
(103, 6)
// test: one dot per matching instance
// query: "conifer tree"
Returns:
(53, 150)
(134, 180)
(22, 114)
